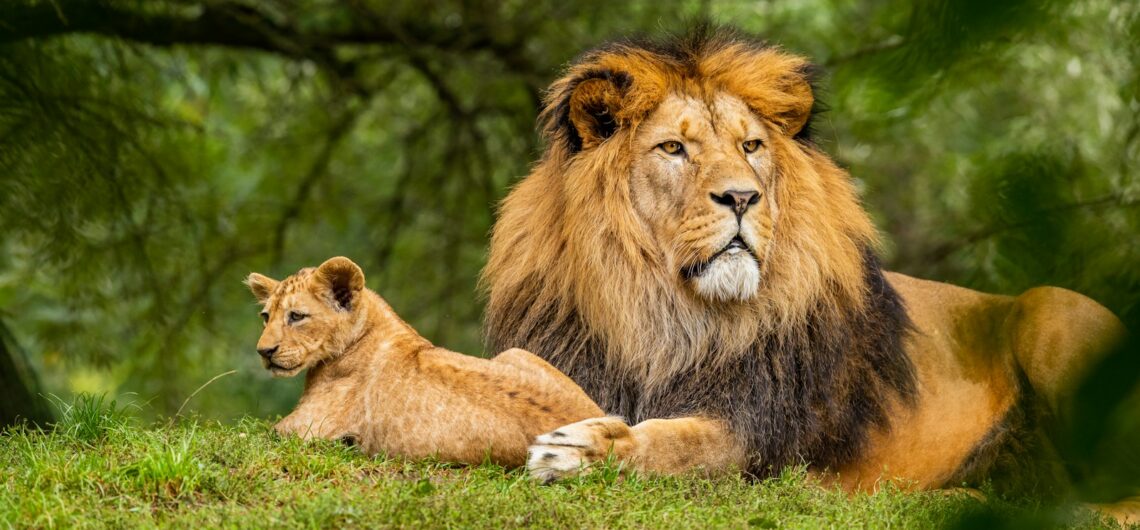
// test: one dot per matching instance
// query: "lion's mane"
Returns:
(801, 371)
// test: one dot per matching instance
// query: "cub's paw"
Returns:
(290, 426)
(568, 450)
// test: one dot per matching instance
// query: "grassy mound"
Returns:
(99, 467)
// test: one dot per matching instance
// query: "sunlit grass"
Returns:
(87, 418)
(98, 468)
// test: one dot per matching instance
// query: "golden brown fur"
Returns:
(372, 379)
(590, 254)
(821, 261)
(600, 260)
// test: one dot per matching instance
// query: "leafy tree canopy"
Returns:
(152, 153)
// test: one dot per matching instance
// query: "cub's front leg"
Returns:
(310, 424)
(667, 447)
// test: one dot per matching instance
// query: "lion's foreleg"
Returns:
(667, 447)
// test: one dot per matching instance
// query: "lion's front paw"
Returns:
(568, 450)
(548, 463)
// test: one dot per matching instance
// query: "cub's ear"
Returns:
(341, 281)
(261, 286)
(589, 107)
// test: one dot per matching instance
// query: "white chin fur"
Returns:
(730, 277)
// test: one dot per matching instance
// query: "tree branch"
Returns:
(891, 43)
(243, 26)
(945, 250)
(221, 24)
(319, 168)
(227, 24)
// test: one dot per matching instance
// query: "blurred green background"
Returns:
(153, 153)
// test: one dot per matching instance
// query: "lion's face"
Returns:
(308, 316)
(701, 180)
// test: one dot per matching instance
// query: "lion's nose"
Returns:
(267, 352)
(738, 200)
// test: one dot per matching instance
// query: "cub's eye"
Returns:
(296, 317)
(672, 148)
(751, 146)
(265, 317)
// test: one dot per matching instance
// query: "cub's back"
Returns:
(464, 408)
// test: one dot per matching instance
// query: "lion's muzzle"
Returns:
(730, 274)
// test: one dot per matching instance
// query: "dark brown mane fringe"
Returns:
(809, 396)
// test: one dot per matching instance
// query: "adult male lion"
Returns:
(685, 254)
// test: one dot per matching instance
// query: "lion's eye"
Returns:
(751, 146)
(672, 148)
(265, 317)
(296, 317)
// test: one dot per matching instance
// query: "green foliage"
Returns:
(142, 184)
(151, 157)
(203, 474)
(152, 154)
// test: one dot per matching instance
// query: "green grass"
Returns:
(98, 467)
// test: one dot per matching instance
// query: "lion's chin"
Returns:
(277, 370)
(731, 277)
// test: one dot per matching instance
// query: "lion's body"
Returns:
(992, 371)
(698, 266)
(372, 379)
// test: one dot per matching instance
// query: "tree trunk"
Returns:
(19, 388)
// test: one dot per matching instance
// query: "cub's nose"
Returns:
(267, 352)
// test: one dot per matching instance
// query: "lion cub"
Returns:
(376, 382)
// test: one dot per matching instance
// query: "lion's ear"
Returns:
(796, 107)
(774, 84)
(341, 280)
(261, 286)
(590, 106)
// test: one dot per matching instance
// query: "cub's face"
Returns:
(308, 316)
(702, 181)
